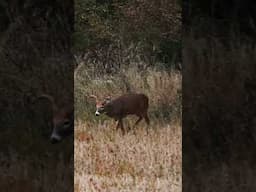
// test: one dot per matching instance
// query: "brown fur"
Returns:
(128, 104)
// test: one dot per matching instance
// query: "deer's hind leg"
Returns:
(146, 119)
(137, 122)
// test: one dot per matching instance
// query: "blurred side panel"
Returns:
(35, 59)
(219, 89)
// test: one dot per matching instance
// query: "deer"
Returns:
(62, 121)
(122, 106)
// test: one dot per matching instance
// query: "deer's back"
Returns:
(128, 104)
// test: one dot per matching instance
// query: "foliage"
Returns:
(150, 28)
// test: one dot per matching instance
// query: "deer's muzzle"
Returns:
(97, 113)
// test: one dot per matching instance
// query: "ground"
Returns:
(106, 160)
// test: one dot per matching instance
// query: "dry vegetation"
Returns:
(22, 174)
(106, 160)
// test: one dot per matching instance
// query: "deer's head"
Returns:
(62, 120)
(100, 105)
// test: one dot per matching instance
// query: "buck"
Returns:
(62, 119)
(119, 108)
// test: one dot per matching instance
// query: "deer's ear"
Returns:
(66, 123)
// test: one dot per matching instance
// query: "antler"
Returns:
(51, 99)
(94, 96)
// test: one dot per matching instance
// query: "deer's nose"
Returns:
(97, 113)
(55, 137)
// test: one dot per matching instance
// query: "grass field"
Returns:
(106, 160)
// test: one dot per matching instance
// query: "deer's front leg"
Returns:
(118, 124)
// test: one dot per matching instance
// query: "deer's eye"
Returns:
(66, 123)
(104, 103)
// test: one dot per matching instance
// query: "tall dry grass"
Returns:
(162, 87)
(106, 160)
